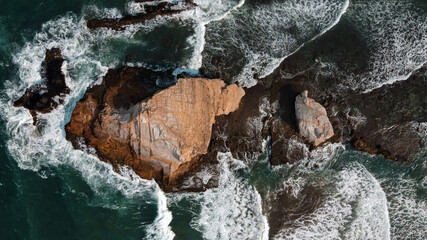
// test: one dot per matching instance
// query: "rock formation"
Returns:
(383, 121)
(313, 121)
(151, 11)
(122, 121)
(45, 96)
(159, 134)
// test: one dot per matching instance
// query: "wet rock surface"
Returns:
(47, 95)
(266, 111)
(151, 11)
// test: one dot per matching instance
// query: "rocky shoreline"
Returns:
(159, 132)
(171, 131)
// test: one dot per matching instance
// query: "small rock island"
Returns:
(170, 129)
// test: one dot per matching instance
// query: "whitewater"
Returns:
(361, 201)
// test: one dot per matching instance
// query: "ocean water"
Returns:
(48, 190)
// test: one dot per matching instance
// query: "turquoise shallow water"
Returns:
(48, 190)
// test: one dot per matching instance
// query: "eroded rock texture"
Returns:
(45, 96)
(160, 134)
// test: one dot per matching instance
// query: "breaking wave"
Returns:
(234, 209)
(354, 208)
(44, 145)
(257, 37)
(160, 228)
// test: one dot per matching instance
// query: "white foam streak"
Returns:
(234, 209)
(276, 62)
(203, 16)
(355, 208)
(260, 36)
(160, 229)
(395, 79)
(408, 212)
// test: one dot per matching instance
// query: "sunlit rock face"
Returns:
(313, 121)
(153, 131)
(175, 124)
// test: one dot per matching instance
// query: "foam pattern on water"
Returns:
(45, 146)
(355, 208)
(234, 209)
(395, 32)
(206, 12)
(262, 35)
(408, 212)
(160, 228)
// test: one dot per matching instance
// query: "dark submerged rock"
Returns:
(391, 113)
(286, 208)
(45, 96)
(159, 8)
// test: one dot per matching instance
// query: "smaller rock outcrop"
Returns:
(151, 11)
(46, 96)
(313, 121)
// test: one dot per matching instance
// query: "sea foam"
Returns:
(354, 208)
(394, 32)
(261, 36)
(44, 146)
(234, 209)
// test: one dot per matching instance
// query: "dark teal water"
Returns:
(59, 205)
(48, 190)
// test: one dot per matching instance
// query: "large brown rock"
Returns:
(161, 135)
(45, 96)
